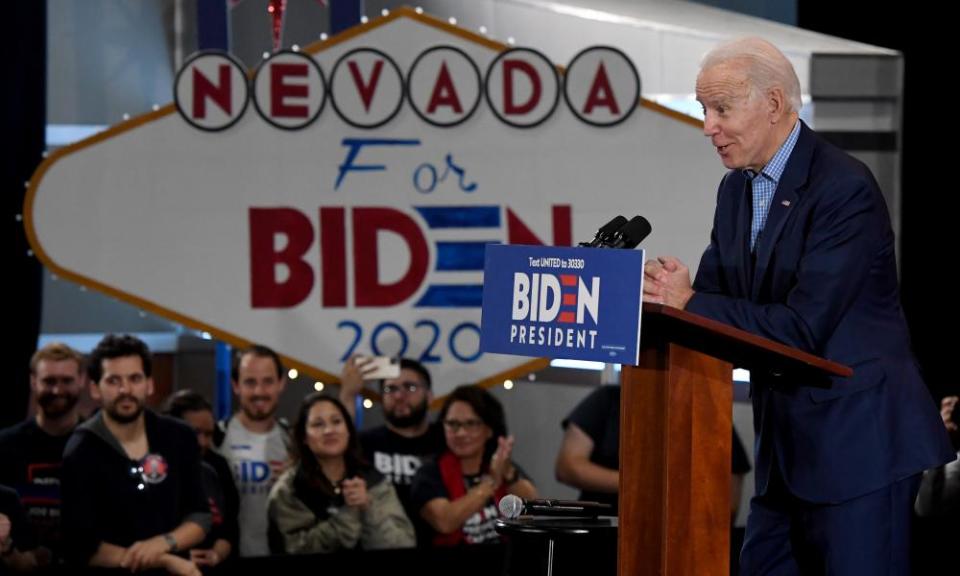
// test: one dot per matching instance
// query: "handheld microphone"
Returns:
(512, 506)
(631, 234)
(606, 232)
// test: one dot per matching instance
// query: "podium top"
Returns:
(665, 323)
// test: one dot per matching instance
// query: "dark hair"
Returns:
(187, 401)
(487, 408)
(114, 346)
(255, 350)
(304, 458)
(411, 364)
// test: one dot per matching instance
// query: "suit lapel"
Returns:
(794, 177)
(744, 216)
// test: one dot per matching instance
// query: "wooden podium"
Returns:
(675, 421)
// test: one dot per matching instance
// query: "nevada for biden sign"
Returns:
(340, 199)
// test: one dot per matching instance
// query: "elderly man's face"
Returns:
(739, 126)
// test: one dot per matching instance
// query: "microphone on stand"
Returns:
(512, 506)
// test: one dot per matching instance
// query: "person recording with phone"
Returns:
(398, 448)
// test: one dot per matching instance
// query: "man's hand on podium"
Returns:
(666, 280)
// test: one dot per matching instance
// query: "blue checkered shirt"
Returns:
(765, 183)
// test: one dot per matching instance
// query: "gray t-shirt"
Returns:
(250, 455)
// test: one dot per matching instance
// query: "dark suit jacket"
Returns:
(824, 281)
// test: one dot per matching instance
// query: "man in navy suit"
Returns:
(802, 252)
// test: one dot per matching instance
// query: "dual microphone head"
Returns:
(620, 233)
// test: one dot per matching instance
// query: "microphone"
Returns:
(606, 232)
(631, 234)
(512, 506)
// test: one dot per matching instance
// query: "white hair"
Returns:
(765, 65)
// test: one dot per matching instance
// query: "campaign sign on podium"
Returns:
(570, 303)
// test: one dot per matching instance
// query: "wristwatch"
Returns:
(171, 541)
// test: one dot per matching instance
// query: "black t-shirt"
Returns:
(224, 500)
(598, 415)
(107, 497)
(19, 532)
(31, 461)
(398, 458)
(480, 528)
